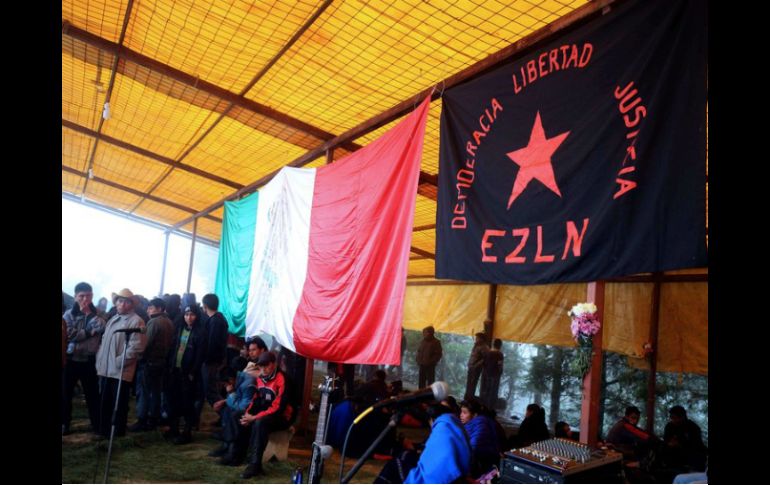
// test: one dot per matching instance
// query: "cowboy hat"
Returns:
(125, 293)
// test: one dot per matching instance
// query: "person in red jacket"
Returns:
(269, 411)
(626, 437)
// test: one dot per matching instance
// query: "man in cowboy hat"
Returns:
(109, 359)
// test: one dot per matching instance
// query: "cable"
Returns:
(345, 447)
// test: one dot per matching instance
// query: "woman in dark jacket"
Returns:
(185, 362)
(532, 429)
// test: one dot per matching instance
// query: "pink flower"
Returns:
(584, 325)
(584, 321)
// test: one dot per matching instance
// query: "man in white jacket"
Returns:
(109, 359)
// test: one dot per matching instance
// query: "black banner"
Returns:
(584, 159)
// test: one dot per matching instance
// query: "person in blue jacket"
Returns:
(238, 398)
(447, 454)
(483, 436)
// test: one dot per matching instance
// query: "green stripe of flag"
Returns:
(235, 255)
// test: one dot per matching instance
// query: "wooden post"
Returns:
(654, 322)
(308, 388)
(592, 382)
(489, 323)
(192, 253)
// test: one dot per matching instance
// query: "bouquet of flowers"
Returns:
(584, 326)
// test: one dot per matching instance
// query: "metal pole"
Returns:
(163, 268)
(192, 253)
(127, 337)
(391, 424)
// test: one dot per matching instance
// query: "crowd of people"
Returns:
(176, 355)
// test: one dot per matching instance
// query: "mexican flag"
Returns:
(318, 257)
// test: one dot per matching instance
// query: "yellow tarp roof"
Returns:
(207, 97)
(171, 70)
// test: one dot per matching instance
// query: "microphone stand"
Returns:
(391, 424)
(115, 410)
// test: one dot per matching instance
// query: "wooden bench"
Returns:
(278, 445)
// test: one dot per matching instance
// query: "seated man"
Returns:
(239, 396)
(269, 411)
(563, 430)
(627, 438)
(376, 389)
(684, 450)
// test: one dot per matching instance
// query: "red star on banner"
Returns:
(534, 160)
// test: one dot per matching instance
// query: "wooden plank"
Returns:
(653, 357)
(304, 420)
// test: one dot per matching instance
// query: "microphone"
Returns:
(438, 391)
(131, 330)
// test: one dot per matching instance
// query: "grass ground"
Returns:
(148, 458)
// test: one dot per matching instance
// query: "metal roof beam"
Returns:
(424, 228)
(243, 92)
(138, 193)
(422, 252)
(214, 90)
(110, 87)
(194, 82)
(135, 218)
(662, 278)
(147, 153)
(404, 107)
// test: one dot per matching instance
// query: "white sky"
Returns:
(111, 252)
